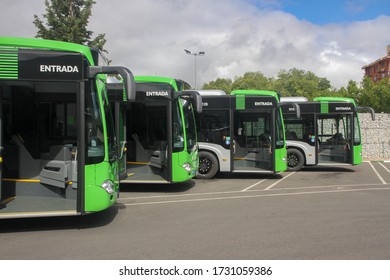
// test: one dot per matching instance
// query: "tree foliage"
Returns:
(375, 95)
(221, 84)
(252, 80)
(296, 82)
(67, 20)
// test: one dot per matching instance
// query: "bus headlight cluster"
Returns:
(187, 166)
(108, 186)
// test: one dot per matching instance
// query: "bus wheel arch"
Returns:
(208, 165)
(295, 159)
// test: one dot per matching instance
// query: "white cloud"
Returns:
(150, 36)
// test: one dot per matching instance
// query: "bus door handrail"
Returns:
(127, 76)
(367, 109)
(197, 98)
(295, 105)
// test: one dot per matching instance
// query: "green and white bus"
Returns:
(327, 133)
(58, 145)
(161, 135)
(241, 132)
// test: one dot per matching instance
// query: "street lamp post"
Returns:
(202, 53)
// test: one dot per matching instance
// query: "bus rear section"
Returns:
(57, 134)
(241, 132)
(328, 133)
(161, 133)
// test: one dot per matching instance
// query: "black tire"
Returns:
(208, 165)
(295, 160)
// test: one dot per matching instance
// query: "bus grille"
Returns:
(8, 63)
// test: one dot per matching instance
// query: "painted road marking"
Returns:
(377, 173)
(384, 167)
(269, 187)
(258, 183)
(277, 182)
(253, 196)
(237, 192)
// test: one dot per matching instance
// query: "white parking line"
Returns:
(384, 167)
(377, 173)
(237, 192)
(251, 196)
(277, 182)
(258, 183)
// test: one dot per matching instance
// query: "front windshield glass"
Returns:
(111, 136)
(94, 126)
(279, 130)
(356, 130)
(177, 129)
(189, 122)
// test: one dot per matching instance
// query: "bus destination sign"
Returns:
(46, 66)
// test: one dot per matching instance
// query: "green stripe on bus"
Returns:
(240, 102)
(324, 107)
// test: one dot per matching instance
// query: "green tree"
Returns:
(296, 82)
(375, 95)
(221, 84)
(253, 80)
(353, 90)
(67, 20)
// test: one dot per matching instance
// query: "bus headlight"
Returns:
(187, 166)
(108, 186)
(284, 159)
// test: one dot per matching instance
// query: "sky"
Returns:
(333, 39)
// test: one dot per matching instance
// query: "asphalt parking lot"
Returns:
(318, 213)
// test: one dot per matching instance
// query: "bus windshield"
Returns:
(94, 127)
(279, 130)
(111, 136)
(189, 122)
(178, 131)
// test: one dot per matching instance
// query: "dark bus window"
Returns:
(214, 127)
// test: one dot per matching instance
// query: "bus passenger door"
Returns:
(1, 145)
(334, 135)
(251, 149)
(148, 135)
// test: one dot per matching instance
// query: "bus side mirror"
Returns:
(195, 96)
(297, 108)
(198, 103)
(127, 76)
(367, 109)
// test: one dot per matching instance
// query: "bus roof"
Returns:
(255, 92)
(211, 92)
(335, 99)
(46, 44)
(293, 99)
(177, 84)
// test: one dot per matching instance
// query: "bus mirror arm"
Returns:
(125, 73)
(295, 105)
(367, 109)
(194, 95)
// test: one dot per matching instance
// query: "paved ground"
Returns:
(318, 213)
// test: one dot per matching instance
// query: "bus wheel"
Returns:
(294, 159)
(208, 165)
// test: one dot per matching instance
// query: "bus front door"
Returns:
(334, 135)
(1, 149)
(148, 146)
(251, 145)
